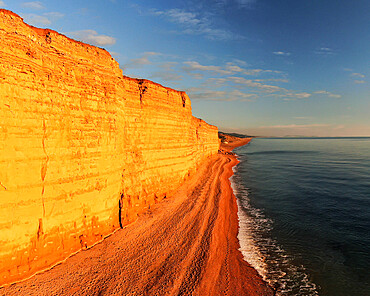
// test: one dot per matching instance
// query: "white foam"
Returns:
(263, 253)
(248, 248)
(250, 252)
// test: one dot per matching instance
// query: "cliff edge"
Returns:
(83, 149)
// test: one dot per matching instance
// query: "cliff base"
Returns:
(185, 245)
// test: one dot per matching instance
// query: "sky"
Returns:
(258, 67)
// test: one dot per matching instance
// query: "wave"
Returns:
(263, 253)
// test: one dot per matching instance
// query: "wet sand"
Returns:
(185, 245)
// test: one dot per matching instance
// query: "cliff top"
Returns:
(46, 32)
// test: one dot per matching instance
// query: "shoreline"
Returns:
(254, 262)
(228, 148)
(187, 244)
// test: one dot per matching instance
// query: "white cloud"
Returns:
(44, 19)
(180, 16)
(358, 75)
(36, 20)
(196, 75)
(54, 14)
(166, 76)
(260, 71)
(221, 2)
(2, 3)
(282, 53)
(245, 3)
(228, 69)
(259, 86)
(252, 72)
(245, 97)
(220, 95)
(298, 95)
(327, 93)
(92, 37)
(168, 66)
(293, 95)
(192, 66)
(240, 62)
(216, 82)
(115, 54)
(233, 68)
(211, 95)
(142, 61)
(239, 3)
(324, 51)
(250, 83)
(168, 73)
(272, 80)
(37, 5)
(194, 24)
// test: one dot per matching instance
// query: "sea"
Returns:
(304, 213)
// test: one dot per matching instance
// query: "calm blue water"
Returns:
(304, 210)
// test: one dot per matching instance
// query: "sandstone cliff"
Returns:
(83, 149)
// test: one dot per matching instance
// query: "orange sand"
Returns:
(185, 245)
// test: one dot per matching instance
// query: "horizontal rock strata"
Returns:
(83, 149)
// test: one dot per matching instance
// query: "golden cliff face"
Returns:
(83, 149)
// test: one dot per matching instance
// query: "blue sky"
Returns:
(262, 67)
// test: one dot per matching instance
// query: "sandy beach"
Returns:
(185, 245)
